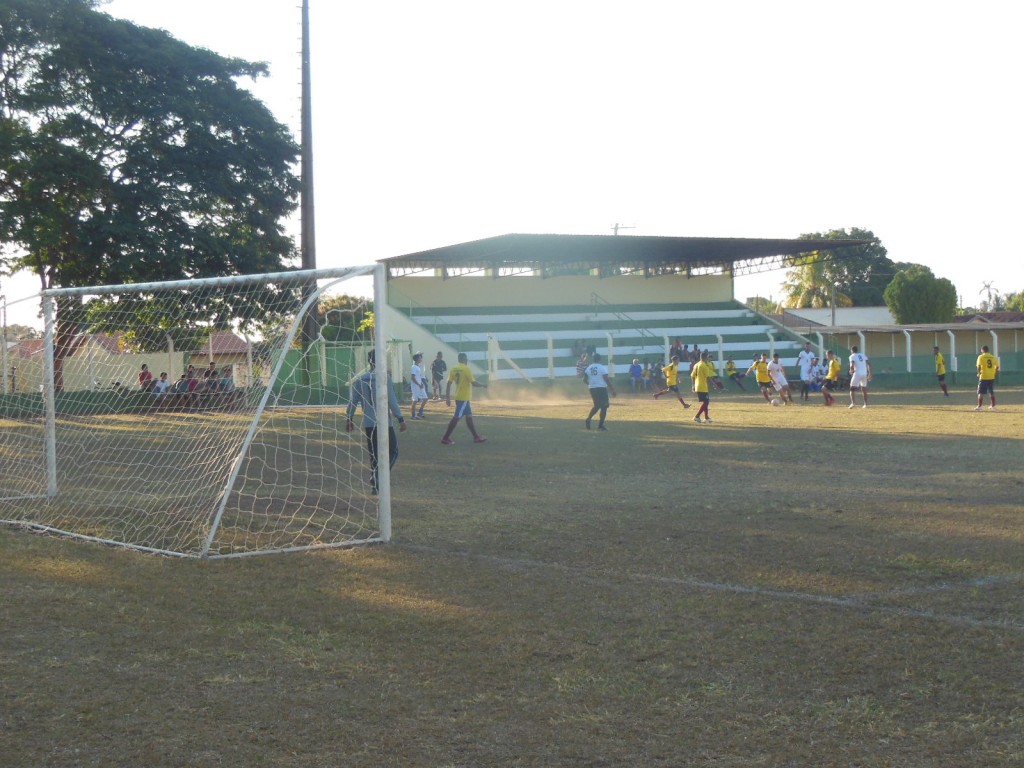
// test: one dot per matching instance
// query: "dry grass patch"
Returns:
(788, 586)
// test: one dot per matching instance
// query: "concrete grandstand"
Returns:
(521, 306)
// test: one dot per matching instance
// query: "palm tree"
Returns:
(808, 285)
(992, 302)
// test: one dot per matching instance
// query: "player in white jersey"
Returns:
(860, 375)
(778, 373)
(419, 386)
(805, 361)
(600, 384)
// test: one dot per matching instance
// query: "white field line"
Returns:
(866, 602)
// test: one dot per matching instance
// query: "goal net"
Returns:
(202, 418)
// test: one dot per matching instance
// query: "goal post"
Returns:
(192, 418)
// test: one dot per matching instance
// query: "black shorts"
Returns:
(830, 384)
(986, 386)
(703, 397)
(941, 376)
(765, 385)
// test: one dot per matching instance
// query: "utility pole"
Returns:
(310, 326)
(3, 351)
(616, 227)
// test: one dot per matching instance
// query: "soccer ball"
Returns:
(776, 401)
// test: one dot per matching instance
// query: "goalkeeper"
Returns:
(364, 395)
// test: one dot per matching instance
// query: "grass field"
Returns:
(794, 586)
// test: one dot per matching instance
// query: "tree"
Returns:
(16, 332)
(761, 304)
(859, 273)
(128, 156)
(808, 285)
(915, 295)
(1014, 301)
(345, 318)
(993, 301)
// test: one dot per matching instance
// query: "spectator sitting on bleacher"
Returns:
(210, 377)
(658, 374)
(226, 383)
(818, 372)
(734, 373)
(145, 379)
(162, 385)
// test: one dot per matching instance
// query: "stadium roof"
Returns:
(610, 255)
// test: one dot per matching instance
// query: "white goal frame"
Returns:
(294, 279)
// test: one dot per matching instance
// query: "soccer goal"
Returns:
(200, 418)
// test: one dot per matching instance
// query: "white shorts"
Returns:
(419, 393)
(780, 382)
(858, 380)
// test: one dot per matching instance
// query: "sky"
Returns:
(450, 121)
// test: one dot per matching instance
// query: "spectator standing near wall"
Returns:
(438, 368)
(636, 376)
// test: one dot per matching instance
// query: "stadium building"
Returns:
(522, 307)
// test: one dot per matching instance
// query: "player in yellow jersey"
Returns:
(764, 379)
(940, 371)
(988, 369)
(462, 377)
(831, 377)
(671, 372)
(703, 372)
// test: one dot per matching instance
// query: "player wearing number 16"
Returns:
(988, 369)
